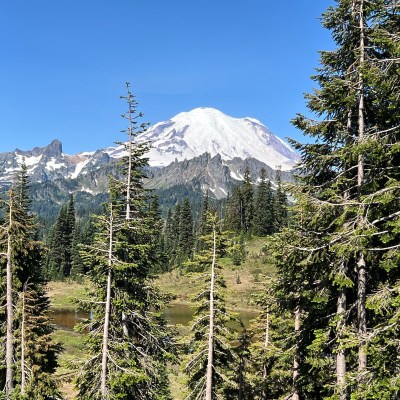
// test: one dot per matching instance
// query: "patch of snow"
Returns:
(8, 170)
(83, 189)
(254, 120)
(286, 144)
(53, 165)
(234, 175)
(79, 167)
(29, 161)
(116, 152)
(223, 191)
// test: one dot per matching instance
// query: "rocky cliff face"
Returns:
(83, 172)
(211, 174)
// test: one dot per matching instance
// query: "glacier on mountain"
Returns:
(207, 130)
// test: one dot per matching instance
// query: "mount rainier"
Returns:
(207, 130)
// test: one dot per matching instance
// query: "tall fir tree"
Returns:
(186, 238)
(263, 207)
(247, 201)
(161, 256)
(268, 373)
(63, 242)
(175, 235)
(210, 360)
(129, 341)
(169, 240)
(204, 227)
(280, 204)
(234, 219)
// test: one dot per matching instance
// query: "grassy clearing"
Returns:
(242, 281)
(61, 296)
(74, 350)
(62, 293)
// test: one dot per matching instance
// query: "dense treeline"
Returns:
(257, 209)
(252, 208)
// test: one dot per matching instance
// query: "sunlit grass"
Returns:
(62, 293)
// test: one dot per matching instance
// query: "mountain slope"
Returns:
(207, 130)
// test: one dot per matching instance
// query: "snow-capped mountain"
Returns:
(207, 130)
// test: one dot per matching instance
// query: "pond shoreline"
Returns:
(177, 313)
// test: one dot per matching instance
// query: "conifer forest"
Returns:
(327, 291)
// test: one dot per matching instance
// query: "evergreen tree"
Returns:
(247, 201)
(160, 256)
(129, 342)
(169, 240)
(268, 372)
(280, 205)
(203, 226)
(237, 251)
(186, 235)
(205, 209)
(263, 207)
(36, 348)
(209, 364)
(234, 220)
(175, 235)
(244, 356)
(62, 242)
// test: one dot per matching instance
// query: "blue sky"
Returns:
(64, 64)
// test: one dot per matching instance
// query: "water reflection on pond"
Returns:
(176, 314)
(66, 318)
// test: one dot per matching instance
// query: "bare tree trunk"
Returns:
(341, 355)
(129, 172)
(360, 177)
(103, 384)
(210, 358)
(296, 363)
(361, 266)
(341, 365)
(362, 317)
(23, 329)
(9, 386)
(266, 344)
(128, 182)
